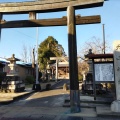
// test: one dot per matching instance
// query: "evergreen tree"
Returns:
(49, 48)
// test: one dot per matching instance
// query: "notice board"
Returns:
(104, 72)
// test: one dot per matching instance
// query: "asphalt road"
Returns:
(51, 98)
(60, 84)
(45, 105)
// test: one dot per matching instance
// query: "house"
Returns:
(21, 68)
(24, 69)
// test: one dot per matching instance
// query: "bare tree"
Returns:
(96, 45)
(82, 68)
(26, 54)
(30, 55)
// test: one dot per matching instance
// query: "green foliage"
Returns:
(80, 77)
(29, 80)
(49, 48)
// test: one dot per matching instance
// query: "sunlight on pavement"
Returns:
(47, 94)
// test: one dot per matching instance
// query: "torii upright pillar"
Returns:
(73, 67)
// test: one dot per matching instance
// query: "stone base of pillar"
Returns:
(75, 101)
(36, 87)
(115, 106)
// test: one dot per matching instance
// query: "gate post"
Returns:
(73, 66)
(32, 15)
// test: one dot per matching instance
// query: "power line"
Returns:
(24, 34)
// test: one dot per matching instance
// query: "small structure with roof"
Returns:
(101, 71)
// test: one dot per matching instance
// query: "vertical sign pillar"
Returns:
(115, 106)
(74, 84)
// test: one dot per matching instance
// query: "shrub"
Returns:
(111, 86)
(80, 77)
(29, 80)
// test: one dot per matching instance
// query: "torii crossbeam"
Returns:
(49, 22)
(47, 6)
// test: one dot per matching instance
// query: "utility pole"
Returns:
(37, 36)
(37, 84)
(104, 38)
(104, 46)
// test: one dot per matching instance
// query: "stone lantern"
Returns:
(12, 66)
(89, 61)
(13, 83)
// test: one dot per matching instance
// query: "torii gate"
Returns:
(53, 6)
(57, 62)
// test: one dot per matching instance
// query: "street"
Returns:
(52, 98)
(46, 105)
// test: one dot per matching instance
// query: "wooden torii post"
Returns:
(56, 58)
(52, 6)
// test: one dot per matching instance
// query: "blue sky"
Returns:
(12, 40)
